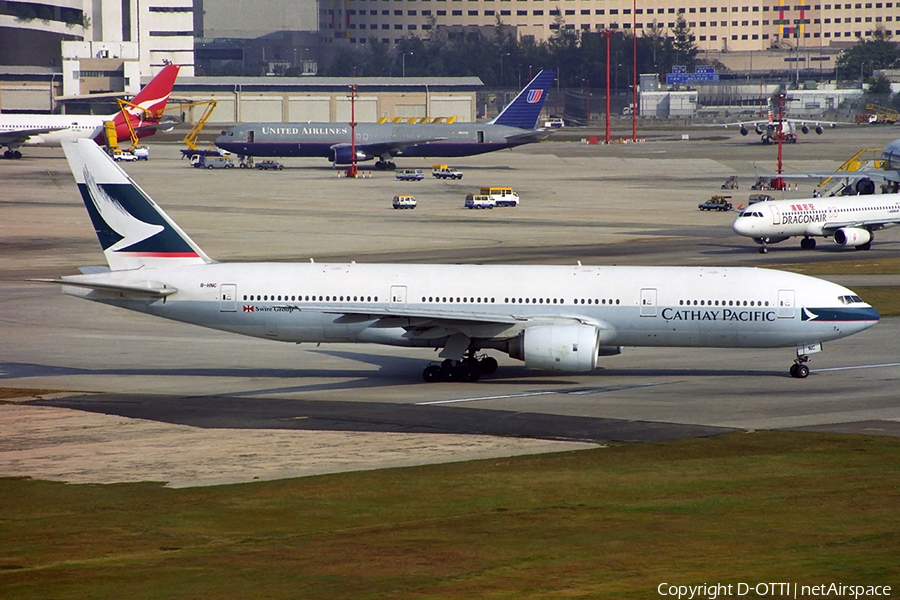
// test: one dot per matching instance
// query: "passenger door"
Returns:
(648, 302)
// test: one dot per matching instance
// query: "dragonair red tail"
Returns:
(152, 99)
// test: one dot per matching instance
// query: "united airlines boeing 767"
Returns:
(514, 126)
(559, 318)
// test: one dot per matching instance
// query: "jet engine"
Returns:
(852, 236)
(572, 347)
(804, 129)
(744, 130)
(341, 155)
(865, 187)
(819, 130)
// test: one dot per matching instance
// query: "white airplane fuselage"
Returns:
(851, 220)
(629, 306)
(66, 127)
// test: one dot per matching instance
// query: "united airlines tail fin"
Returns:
(523, 112)
(133, 231)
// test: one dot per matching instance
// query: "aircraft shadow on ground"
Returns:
(311, 415)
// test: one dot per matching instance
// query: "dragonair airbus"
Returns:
(558, 318)
(514, 126)
(851, 220)
(50, 130)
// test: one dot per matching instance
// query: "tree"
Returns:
(859, 62)
(683, 43)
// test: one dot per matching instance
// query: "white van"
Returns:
(404, 202)
(479, 201)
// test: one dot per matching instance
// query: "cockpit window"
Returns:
(851, 299)
(751, 214)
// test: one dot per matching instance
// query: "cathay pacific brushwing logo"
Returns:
(118, 219)
(534, 96)
(808, 315)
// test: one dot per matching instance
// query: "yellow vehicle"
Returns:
(503, 196)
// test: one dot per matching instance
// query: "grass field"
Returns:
(607, 523)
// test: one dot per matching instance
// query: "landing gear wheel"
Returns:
(763, 250)
(866, 246)
(8, 154)
(808, 243)
(469, 372)
(488, 364)
(432, 374)
(391, 166)
(799, 371)
(16, 154)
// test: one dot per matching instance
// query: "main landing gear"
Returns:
(469, 369)
(384, 165)
(799, 370)
(12, 154)
(808, 243)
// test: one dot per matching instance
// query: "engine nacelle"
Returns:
(865, 187)
(805, 129)
(572, 347)
(342, 155)
(819, 130)
(744, 130)
(760, 130)
(852, 236)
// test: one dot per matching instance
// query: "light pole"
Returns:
(607, 33)
(403, 60)
(501, 67)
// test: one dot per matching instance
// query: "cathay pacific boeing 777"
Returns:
(558, 318)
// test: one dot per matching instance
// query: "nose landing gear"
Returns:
(799, 370)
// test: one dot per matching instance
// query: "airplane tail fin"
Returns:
(523, 112)
(133, 231)
(152, 99)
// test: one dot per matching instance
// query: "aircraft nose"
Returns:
(741, 226)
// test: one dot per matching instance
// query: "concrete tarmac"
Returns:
(192, 398)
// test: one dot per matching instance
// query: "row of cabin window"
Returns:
(465, 299)
(273, 298)
(722, 303)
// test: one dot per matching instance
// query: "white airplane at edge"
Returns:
(558, 318)
(50, 130)
(851, 220)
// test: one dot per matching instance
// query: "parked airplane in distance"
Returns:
(514, 126)
(558, 318)
(851, 220)
(768, 129)
(50, 130)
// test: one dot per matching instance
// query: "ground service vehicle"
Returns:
(720, 203)
(211, 162)
(479, 201)
(404, 202)
(555, 122)
(445, 172)
(503, 196)
(265, 165)
(410, 175)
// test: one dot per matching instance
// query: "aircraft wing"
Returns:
(879, 175)
(429, 324)
(535, 135)
(830, 228)
(20, 135)
(393, 147)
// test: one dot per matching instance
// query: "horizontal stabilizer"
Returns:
(151, 289)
